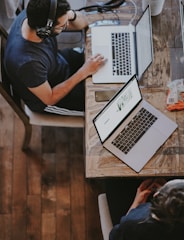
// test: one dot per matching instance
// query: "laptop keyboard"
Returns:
(121, 60)
(128, 137)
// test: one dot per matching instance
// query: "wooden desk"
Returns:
(169, 159)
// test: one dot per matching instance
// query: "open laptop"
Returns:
(128, 49)
(125, 112)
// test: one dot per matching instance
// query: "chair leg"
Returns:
(27, 136)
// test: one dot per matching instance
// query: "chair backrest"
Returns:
(105, 218)
(6, 89)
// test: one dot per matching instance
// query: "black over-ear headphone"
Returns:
(44, 32)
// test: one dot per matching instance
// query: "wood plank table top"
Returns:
(166, 67)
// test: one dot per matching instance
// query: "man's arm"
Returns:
(51, 96)
(142, 194)
(146, 188)
(77, 20)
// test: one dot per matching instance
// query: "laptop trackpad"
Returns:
(104, 50)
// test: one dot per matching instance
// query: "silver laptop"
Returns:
(131, 128)
(128, 49)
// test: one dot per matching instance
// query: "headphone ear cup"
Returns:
(46, 31)
(43, 32)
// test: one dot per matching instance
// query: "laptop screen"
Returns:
(117, 109)
(144, 42)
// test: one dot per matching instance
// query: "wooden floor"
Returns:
(43, 193)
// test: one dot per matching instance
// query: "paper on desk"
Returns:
(175, 97)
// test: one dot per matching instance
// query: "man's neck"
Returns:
(29, 33)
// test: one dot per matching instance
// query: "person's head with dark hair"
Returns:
(168, 203)
(38, 12)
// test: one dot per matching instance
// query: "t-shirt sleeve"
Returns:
(33, 74)
(135, 215)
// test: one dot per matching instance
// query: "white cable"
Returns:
(135, 13)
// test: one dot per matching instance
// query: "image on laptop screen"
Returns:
(117, 109)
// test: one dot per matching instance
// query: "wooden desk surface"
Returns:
(169, 159)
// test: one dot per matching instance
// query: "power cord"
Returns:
(135, 13)
(102, 7)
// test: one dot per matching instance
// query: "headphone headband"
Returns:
(52, 11)
(44, 32)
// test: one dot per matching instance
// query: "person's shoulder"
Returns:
(21, 16)
(140, 212)
(143, 229)
(146, 229)
(18, 21)
(22, 13)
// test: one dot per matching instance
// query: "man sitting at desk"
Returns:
(162, 218)
(42, 75)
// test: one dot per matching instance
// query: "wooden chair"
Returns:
(105, 218)
(28, 117)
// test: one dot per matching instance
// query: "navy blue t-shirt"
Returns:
(138, 225)
(30, 64)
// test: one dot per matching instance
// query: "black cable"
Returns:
(102, 7)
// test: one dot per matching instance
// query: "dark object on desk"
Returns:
(103, 7)
(103, 96)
